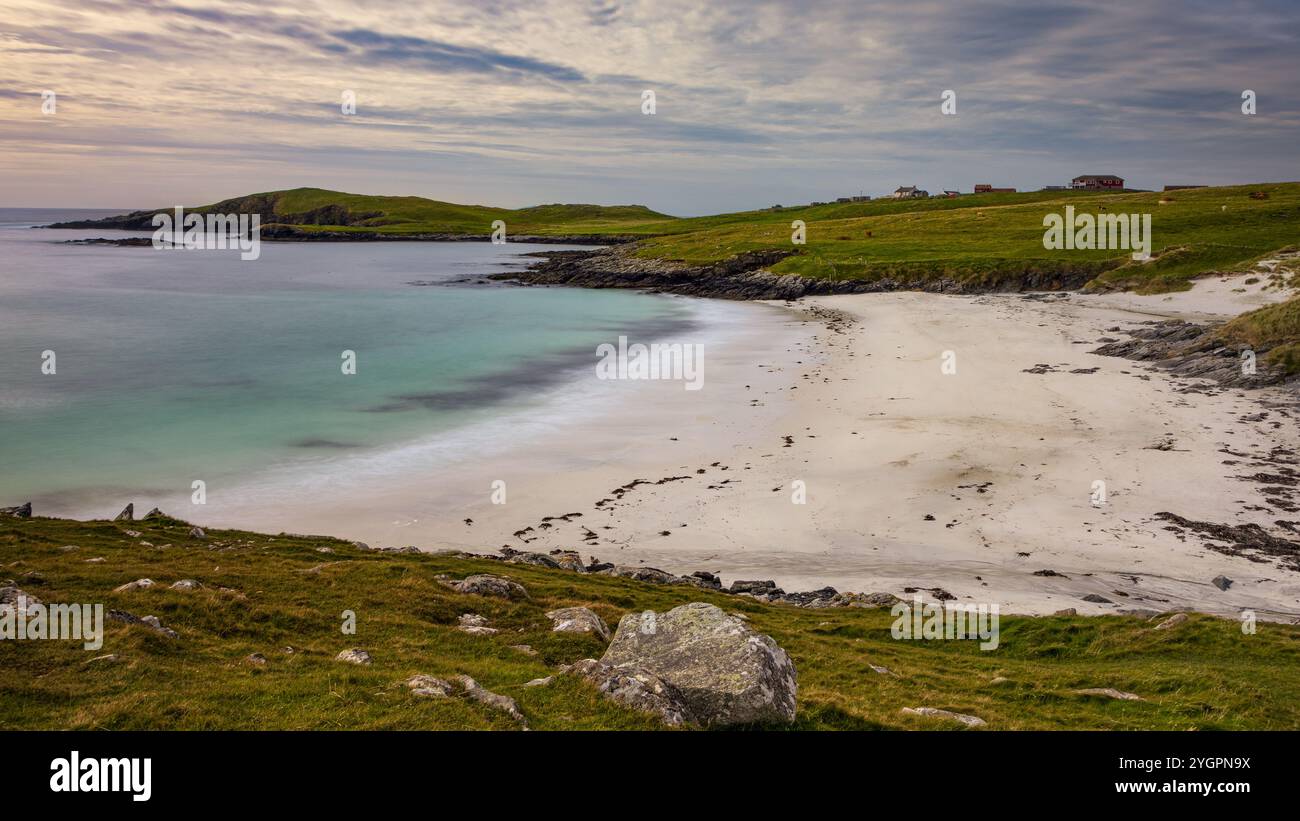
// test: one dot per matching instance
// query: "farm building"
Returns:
(1098, 182)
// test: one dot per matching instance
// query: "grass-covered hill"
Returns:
(989, 238)
(310, 210)
(282, 597)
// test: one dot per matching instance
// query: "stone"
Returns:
(196, 532)
(569, 560)
(428, 686)
(762, 588)
(475, 625)
(131, 587)
(256, 659)
(933, 712)
(1221, 582)
(539, 682)
(485, 584)
(96, 560)
(1069, 611)
(1109, 692)
(524, 648)
(1172, 622)
(578, 620)
(1095, 599)
(23, 511)
(186, 584)
(636, 688)
(127, 514)
(725, 672)
(354, 656)
(539, 559)
(653, 575)
(10, 596)
(155, 513)
(491, 699)
(152, 622)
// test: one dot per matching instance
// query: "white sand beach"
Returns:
(971, 482)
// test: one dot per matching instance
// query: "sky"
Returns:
(512, 104)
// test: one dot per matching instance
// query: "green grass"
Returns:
(1204, 674)
(1275, 329)
(993, 238)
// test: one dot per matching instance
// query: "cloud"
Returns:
(517, 103)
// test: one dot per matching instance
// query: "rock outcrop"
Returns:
(23, 511)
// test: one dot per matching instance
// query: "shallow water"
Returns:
(173, 366)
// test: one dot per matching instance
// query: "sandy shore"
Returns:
(975, 482)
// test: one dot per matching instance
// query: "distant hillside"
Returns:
(308, 210)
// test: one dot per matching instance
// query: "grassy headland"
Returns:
(266, 594)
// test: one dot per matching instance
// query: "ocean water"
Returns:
(181, 365)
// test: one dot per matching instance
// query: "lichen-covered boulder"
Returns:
(634, 687)
(578, 620)
(724, 671)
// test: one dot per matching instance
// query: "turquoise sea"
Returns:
(172, 365)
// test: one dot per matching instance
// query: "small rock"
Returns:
(1095, 599)
(186, 584)
(152, 622)
(1222, 582)
(96, 560)
(131, 587)
(475, 625)
(999, 680)
(485, 584)
(256, 659)
(969, 721)
(539, 682)
(1173, 621)
(1110, 692)
(9, 600)
(884, 671)
(155, 513)
(127, 514)
(1069, 611)
(524, 648)
(578, 620)
(428, 686)
(196, 532)
(109, 658)
(494, 700)
(354, 656)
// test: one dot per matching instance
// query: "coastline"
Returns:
(974, 484)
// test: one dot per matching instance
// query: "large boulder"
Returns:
(724, 672)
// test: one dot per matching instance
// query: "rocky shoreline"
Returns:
(288, 233)
(742, 277)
